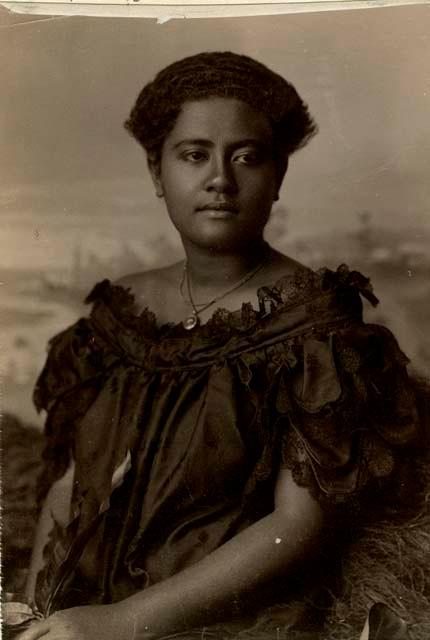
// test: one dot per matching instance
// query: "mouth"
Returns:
(220, 208)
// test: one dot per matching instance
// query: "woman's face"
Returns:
(218, 174)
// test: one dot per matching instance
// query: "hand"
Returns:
(95, 622)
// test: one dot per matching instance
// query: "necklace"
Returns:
(193, 319)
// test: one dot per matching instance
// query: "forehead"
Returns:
(225, 119)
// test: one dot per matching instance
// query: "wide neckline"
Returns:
(121, 300)
(290, 289)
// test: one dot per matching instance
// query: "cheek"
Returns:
(262, 181)
(178, 185)
(174, 191)
(262, 191)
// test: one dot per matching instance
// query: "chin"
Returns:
(224, 237)
(228, 244)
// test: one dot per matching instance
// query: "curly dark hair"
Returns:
(224, 75)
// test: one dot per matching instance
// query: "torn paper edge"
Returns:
(164, 12)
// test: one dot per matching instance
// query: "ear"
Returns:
(155, 171)
(282, 170)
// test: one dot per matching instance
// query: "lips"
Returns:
(228, 207)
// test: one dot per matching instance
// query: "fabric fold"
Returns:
(207, 419)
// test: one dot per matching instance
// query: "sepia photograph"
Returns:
(215, 312)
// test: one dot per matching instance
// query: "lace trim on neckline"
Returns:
(289, 290)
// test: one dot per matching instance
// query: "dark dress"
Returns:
(203, 421)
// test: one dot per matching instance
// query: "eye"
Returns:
(194, 155)
(247, 157)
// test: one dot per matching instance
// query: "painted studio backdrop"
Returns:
(77, 206)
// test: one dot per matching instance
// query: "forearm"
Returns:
(212, 589)
(56, 508)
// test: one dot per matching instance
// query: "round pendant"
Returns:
(190, 322)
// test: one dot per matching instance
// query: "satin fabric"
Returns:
(207, 418)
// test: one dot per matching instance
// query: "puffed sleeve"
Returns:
(67, 385)
(351, 414)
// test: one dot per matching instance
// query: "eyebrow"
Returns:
(203, 142)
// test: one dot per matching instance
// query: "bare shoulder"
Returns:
(282, 265)
(151, 288)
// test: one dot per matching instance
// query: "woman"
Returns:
(222, 413)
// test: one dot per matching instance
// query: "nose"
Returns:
(221, 178)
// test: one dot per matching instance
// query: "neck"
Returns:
(210, 269)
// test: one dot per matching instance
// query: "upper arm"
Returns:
(59, 497)
(296, 503)
(144, 287)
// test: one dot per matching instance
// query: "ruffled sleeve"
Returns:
(352, 416)
(69, 382)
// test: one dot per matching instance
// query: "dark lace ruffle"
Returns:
(294, 289)
(353, 415)
(311, 300)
